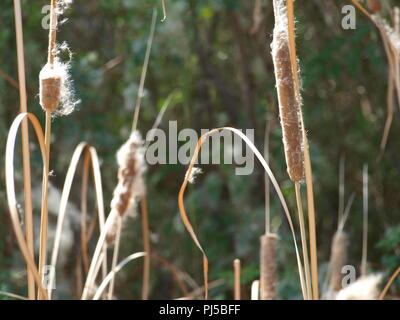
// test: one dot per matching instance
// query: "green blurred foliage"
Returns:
(223, 76)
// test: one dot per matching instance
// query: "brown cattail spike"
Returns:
(338, 259)
(268, 267)
(289, 104)
(50, 93)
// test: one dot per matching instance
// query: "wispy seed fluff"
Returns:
(192, 175)
(392, 35)
(365, 288)
(55, 92)
(289, 104)
(338, 259)
(130, 187)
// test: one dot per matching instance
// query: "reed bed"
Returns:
(95, 276)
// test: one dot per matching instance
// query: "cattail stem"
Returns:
(146, 248)
(44, 211)
(236, 279)
(144, 71)
(25, 144)
(303, 240)
(52, 33)
(115, 256)
(307, 158)
(268, 267)
(266, 181)
(365, 222)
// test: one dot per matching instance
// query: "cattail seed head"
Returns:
(338, 259)
(55, 91)
(268, 267)
(289, 103)
(365, 288)
(50, 87)
(130, 187)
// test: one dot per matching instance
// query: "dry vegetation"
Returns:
(99, 267)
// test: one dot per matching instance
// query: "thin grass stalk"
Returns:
(44, 211)
(115, 256)
(236, 279)
(307, 159)
(275, 184)
(9, 79)
(303, 240)
(146, 248)
(12, 295)
(342, 163)
(84, 190)
(164, 9)
(115, 270)
(266, 181)
(268, 267)
(79, 150)
(11, 195)
(365, 222)
(25, 145)
(176, 274)
(338, 259)
(389, 283)
(144, 71)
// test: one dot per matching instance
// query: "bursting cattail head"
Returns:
(365, 288)
(268, 267)
(55, 92)
(130, 187)
(289, 102)
(338, 259)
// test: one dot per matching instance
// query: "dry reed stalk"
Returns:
(268, 267)
(303, 236)
(275, 184)
(9, 79)
(388, 284)
(307, 158)
(52, 90)
(146, 248)
(25, 145)
(266, 181)
(78, 152)
(338, 259)
(365, 221)
(288, 101)
(112, 273)
(11, 194)
(164, 8)
(115, 255)
(131, 186)
(236, 279)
